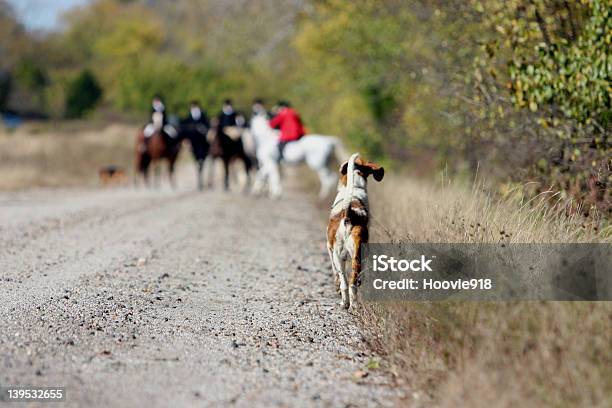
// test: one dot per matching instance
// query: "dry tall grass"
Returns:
(483, 354)
(62, 155)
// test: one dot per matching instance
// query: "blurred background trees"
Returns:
(543, 91)
(82, 95)
(518, 90)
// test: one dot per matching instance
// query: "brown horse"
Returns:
(228, 149)
(157, 148)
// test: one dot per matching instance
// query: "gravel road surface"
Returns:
(160, 298)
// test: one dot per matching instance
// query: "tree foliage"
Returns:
(82, 95)
(14, 44)
(519, 89)
(5, 89)
(384, 66)
(543, 79)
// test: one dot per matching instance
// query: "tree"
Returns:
(543, 81)
(83, 93)
(14, 43)
(383, 73)
(32, 77)
(5, 89)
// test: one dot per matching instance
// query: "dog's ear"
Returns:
(378, 173)
(344, 168)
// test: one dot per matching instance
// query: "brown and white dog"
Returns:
(112, 175)
(348, 223)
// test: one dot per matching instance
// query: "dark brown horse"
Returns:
(156, 148)
(228, 149)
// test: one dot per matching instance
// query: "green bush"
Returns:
(177, 81)
(543, 78)
(31, 75)
(5, 89)
(82, 95)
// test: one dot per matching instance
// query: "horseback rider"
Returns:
(196, 119)
(227, 116)
(259, 107)
(157, 105)
(290, 125)
(158, 117)
(159, 120)
(241, 120)
(195, 127)
(231, 122)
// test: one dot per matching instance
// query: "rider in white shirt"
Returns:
(159, 121)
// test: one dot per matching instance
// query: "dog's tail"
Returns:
(350, 184)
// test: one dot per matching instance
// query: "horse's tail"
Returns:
(350, 184)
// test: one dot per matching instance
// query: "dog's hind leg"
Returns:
(334, 272)
(339, 264)
(358, 233)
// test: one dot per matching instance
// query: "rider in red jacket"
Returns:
(290, 125)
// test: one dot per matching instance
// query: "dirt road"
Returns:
(160, 298)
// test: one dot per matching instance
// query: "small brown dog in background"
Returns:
(112, 175)
(347, 228)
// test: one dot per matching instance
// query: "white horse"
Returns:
(314, 150)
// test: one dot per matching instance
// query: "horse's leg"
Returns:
(138, 162)
(157, 175)
(171, 163)
(200, 167)
(260, 177)
(211, 171)
(327, 178)
(247, 170)
(144, 170)
(139, 169)
(145, 176)
(233, 174)
(226, 175)
(137, 172)
(274, 180)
